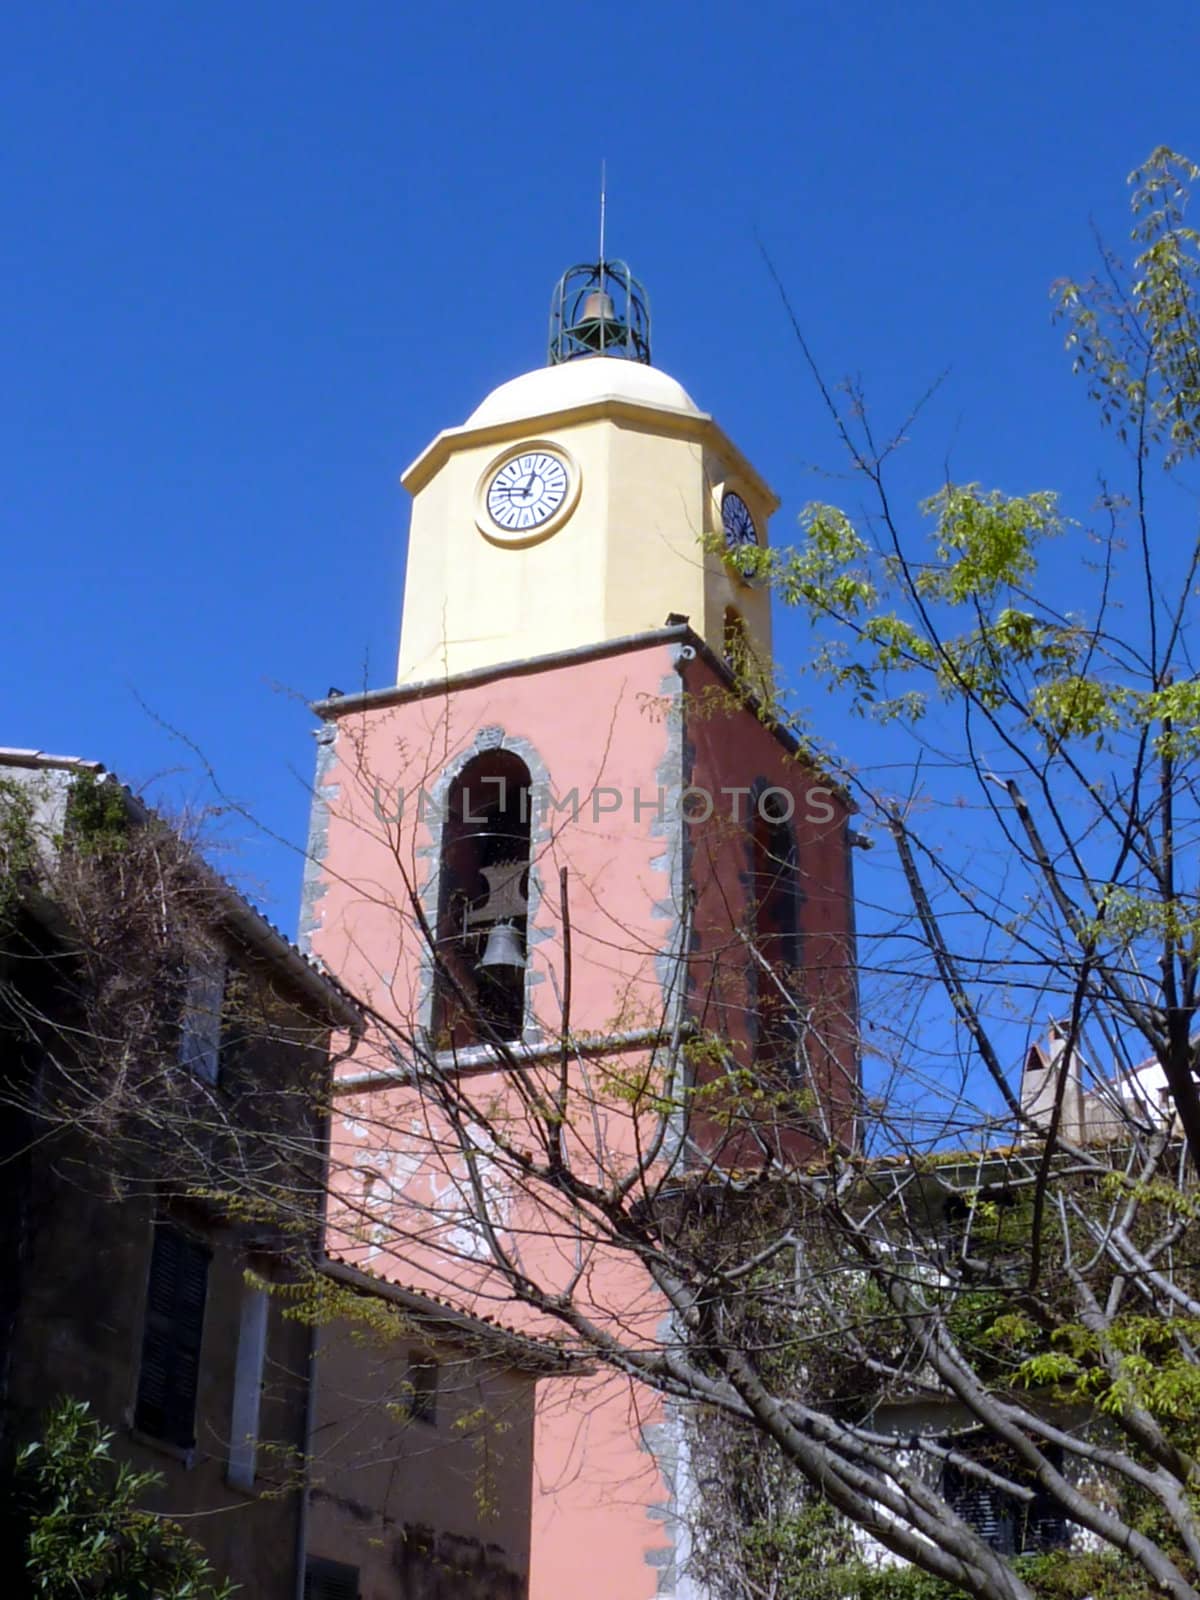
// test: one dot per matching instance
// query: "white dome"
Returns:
(577, 383)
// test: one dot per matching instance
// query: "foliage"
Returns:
(18, 848)
(1136, 342)
(1063, 1265)
(97, 817)
(87, 1534)
(138, 952)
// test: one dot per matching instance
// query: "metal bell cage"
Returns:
(599, 310)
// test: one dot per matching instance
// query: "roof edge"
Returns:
(368, 699)
(667, 419)
(257, 931)
(330, 710)
(528, 1352)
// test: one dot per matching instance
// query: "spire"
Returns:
(599, 310)
(603, 204)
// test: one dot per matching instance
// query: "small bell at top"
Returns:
(596, 327)
(598, 307)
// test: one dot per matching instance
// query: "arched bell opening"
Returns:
(483, 901)
(735, 641)
(776, 934)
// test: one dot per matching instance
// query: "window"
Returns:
(247, 1386)
(483, 892)
(200, 1028)
(776, 913)
(1011, 1526)
(329, 1580)
(421, 1386)
(175, 1296)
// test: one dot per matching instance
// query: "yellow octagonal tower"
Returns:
(579, 503)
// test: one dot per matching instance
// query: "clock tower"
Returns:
(574, 505)
(574, 786)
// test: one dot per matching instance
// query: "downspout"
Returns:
(314, 857)
(310, 1410)
(314, 1334)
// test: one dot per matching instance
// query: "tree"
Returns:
(87, 1535)
(1076, 730)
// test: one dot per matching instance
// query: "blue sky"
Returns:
(255, 255)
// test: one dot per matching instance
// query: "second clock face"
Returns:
(737, 522)
(527, 490)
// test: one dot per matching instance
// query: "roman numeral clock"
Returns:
(527, 493)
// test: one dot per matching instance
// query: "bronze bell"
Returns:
(598, 307)
(597, 328)
(503, 948)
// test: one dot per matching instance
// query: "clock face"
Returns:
(737, 522)
(527, 490)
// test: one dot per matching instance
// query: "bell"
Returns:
(598, 328)
(598, 307)
(503, 948)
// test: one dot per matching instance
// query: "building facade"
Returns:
(156, 1069)
(421, 1468)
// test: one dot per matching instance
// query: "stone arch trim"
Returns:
(488, 738)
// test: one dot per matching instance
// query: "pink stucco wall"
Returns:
(615, 729)
(597, 726)
(729, 748)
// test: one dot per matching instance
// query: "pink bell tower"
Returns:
(574, 754)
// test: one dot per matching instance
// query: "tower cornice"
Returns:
(333, 709)
(666, 421)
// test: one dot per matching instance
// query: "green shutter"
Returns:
(170, 1369)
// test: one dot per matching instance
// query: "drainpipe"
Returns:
(310, 1412)
(314, 1334)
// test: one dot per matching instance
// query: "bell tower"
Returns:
(583, 502)
(571, 791)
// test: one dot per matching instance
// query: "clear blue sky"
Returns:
(255, 255)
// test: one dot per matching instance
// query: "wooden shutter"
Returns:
(986, 1509)
(329, 1580)
(1010, 1526)
(775, 907)
(170, 1369)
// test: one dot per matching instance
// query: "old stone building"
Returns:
(138, 1074)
